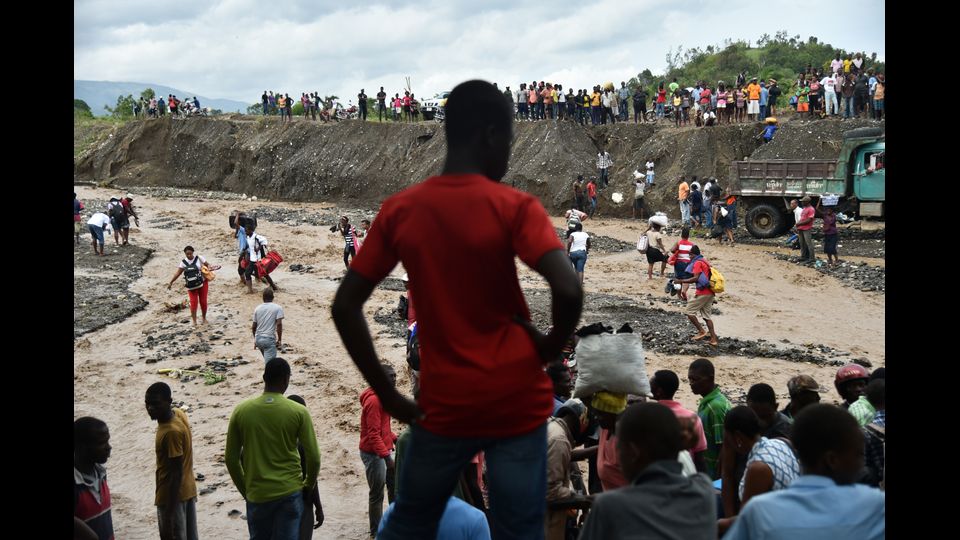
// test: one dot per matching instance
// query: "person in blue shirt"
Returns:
(764, 99)
(768, 130)
(460, 521)
(824, 502)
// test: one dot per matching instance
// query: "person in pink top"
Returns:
(663, 386)
(804, 226)
(608, 407)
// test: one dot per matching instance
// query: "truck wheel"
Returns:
(765, 221)
(862, 132)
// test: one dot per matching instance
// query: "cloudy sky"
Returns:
(236, 49)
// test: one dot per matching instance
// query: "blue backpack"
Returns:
(703, 281)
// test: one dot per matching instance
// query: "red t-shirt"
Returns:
(591, 190)
(406, 101)
(701, 265)
(807, 213)
(458, 237)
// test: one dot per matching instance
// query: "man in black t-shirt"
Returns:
(362, 101)
(381, 103)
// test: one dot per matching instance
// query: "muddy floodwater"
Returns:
(776, 320)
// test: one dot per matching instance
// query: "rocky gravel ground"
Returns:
(811, 139)
(100, 295)
(858, 276)
(329, 218)
(601, 244)
(669, 332)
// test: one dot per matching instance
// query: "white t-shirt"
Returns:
(829, 84)
(796, 213)
(706, 190)
(579, 241)
(252, 243)
(649, 166)
(190, 262)
(695, 184)
(99, 220)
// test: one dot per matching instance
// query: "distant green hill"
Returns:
(780, 57)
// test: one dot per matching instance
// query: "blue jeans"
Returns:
(593, 206)
(579, 260)
(595, 115)
(275, 520)
(268, 346)
(431, 466)
(604, 177)
(96, 233)
(659, 110)
(685, 213)
(763, 112)
(706, 214)
(649, 178)
(847, 106)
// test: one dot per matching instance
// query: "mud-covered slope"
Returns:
(364, 162)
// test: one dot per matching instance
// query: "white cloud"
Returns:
(237, 48)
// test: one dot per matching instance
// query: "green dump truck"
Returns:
(855, 180)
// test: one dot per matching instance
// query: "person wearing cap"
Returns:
(607, 406)
(764, 99)
(851, 383)
(127, 205)
(766, 135)
(823, 502)
(804, 391)
(664, 386)
(804, 229)
(565, 431)
(660, 501)
(753, 105)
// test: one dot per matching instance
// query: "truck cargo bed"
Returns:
(786, 177)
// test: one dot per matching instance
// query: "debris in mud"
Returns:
(601, 244)
(328, 218)
(858, 276)
(669, 332)
(395, 326)
(302, 269)
(392, 284)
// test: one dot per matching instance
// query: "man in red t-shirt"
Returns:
(804, 229)
(482, 383)
(703, 301)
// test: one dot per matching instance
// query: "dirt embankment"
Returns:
(362, 163)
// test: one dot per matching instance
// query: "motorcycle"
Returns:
(668, 113)
(346, 114)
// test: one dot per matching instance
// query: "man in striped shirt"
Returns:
(603, 164)
(346, 229)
